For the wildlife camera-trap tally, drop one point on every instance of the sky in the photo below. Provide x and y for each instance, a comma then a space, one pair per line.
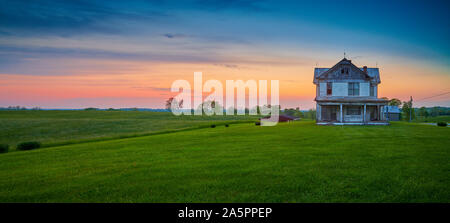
78, 54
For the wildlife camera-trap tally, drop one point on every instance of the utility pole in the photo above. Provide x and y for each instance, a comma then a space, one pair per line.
410, 109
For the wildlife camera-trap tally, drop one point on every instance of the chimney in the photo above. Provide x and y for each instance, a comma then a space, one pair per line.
365, 69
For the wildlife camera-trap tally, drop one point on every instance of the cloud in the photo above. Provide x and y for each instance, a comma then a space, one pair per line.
152, 88
69, 18
32, 60
172, 35
232, 66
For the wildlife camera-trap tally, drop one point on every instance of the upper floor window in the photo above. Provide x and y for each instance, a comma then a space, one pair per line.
329, 88
353, 89
372, 90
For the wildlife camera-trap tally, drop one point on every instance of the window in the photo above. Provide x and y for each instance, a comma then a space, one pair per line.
353, 89
344, 70
372, 90
353, 110
329, 88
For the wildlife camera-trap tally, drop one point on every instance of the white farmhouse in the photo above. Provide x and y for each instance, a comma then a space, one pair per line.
347, 95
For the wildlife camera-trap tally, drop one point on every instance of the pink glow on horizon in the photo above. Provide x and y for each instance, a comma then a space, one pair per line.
141, 84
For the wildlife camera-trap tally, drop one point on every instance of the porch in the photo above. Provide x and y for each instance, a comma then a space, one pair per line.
350, 114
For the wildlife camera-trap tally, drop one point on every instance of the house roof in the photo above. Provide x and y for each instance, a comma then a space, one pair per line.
373, 73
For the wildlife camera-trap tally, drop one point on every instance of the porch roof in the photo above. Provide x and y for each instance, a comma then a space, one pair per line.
352, 100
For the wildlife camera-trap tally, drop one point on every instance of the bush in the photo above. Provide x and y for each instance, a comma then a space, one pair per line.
257, 123
4, 148
442, 124
28, 145
213, 126
226, 125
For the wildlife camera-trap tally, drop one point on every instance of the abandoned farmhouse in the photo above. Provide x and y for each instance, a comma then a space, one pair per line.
348, 95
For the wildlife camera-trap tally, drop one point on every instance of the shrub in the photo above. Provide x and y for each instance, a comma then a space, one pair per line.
257, 123
213, 126
226, 125
442, 124
4, 148
28, 145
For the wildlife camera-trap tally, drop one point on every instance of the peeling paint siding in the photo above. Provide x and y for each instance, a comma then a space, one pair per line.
364, 89
340, 89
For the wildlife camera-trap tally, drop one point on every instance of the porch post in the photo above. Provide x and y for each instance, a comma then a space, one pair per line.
319, 112
340, 113
364, 118
378, 112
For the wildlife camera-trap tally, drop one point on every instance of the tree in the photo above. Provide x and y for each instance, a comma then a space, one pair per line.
406, 110
310, 114
169, 103
289, 111
435, 111
423, 112
395, 102
172, 101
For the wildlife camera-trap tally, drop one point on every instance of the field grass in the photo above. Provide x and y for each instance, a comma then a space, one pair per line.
292, 162
68, 127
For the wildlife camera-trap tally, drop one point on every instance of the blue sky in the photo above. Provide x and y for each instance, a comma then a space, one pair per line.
418, 29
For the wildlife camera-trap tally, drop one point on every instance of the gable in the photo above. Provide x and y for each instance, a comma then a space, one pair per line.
344, 70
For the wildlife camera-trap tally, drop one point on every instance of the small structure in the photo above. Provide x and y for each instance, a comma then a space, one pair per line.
392, 113
347, 95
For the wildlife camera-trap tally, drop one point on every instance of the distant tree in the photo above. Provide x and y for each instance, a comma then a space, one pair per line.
289, 111
423, 112
172, 101
406, 110
395, 102
211, 108
310, 114
435, 111
169, 103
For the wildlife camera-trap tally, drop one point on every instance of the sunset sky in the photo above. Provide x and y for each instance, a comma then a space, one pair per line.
77, 54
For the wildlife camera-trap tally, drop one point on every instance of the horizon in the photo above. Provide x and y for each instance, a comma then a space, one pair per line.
64, 55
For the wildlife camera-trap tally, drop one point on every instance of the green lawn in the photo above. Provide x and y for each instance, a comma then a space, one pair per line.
295, 162
63, 127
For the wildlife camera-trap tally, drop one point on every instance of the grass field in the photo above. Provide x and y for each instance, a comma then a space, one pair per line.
294, 162
67, 127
